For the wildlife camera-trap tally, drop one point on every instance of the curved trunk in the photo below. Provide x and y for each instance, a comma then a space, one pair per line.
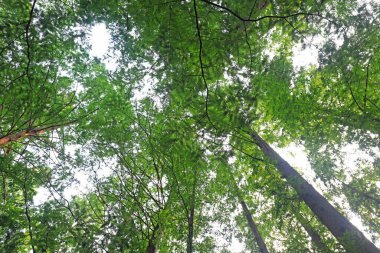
346, 233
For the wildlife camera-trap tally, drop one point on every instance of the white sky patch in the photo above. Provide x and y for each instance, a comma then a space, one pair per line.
42, 195
303, 57
78, 188
100, 41
236, 245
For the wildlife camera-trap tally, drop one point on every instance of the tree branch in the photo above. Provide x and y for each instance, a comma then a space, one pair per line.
201, 61
366, 85
233, 13
27, 30
30, 132
28, 216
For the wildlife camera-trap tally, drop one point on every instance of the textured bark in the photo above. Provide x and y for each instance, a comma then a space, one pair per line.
346, 233
259, 240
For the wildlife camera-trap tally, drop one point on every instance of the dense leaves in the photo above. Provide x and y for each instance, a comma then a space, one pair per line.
168, 139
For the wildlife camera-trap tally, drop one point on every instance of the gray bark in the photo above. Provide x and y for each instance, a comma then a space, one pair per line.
344, 231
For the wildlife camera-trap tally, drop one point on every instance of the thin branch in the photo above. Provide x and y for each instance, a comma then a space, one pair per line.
28, 216
233, 13
366, 85
252, 9
373, 104
250, 50
27, 30
201, 61
356, 102
247, 154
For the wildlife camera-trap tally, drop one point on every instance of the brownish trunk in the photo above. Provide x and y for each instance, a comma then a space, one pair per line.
259, 240
346, 233
30, 132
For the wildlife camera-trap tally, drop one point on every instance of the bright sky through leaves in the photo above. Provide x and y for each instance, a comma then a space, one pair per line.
189, 126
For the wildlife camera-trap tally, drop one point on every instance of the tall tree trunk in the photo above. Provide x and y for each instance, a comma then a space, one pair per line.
190, 216
259, 240
190, 235
252, 225
315, 237
346, 233
151, 244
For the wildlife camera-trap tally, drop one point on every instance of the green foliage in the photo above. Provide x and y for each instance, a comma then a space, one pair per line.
170, 168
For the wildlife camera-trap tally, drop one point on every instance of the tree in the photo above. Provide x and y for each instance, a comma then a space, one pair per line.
163, 164
351, 238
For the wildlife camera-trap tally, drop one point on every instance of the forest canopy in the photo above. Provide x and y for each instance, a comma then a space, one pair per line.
180, 140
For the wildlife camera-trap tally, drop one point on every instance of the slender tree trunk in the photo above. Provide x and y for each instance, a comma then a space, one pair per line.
346, 233
4, 186
315, 238
190, 235
28, 216
259, 240
190, 217
252, 225
151, 244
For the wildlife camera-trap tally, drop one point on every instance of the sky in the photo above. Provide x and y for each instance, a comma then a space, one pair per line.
294, 154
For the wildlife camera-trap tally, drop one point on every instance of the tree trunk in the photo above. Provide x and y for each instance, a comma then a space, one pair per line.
315, 238
346, 233
190, 216
151, 244
252, 225
190, 231
259, 240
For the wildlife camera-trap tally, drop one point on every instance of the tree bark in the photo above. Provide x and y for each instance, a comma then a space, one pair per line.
190, 235
22, 134
345, 232
151, 244
259, 240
